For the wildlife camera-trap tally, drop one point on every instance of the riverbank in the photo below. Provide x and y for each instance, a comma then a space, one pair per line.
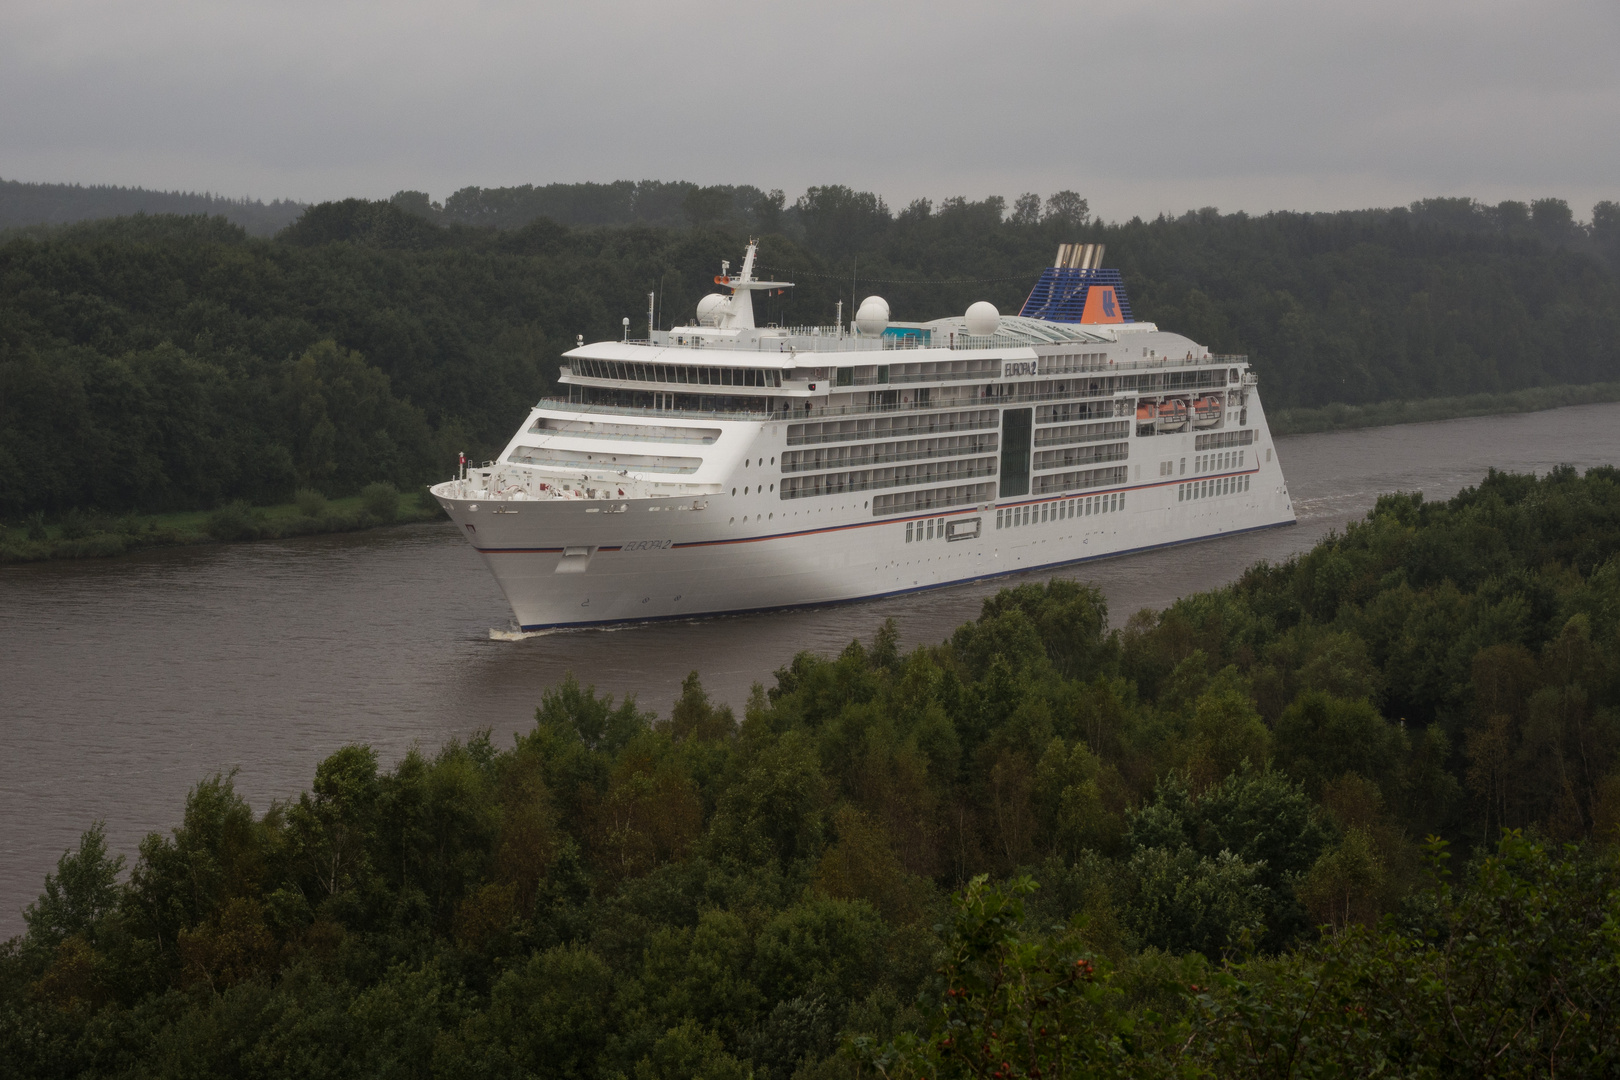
80, 535
1390, 413
87, 535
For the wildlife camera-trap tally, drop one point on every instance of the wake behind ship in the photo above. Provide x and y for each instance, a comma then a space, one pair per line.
725, 467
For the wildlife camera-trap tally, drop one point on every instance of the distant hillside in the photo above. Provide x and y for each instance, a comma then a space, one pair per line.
23, 204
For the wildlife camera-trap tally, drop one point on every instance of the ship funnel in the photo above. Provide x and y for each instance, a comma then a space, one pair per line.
1076, 289
1078, 257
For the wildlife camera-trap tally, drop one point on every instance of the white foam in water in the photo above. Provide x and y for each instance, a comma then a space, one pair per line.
517, 635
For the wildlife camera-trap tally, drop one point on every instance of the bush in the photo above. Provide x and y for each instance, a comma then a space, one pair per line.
76, 525
36, 525
380, 500
311, 503
233, 521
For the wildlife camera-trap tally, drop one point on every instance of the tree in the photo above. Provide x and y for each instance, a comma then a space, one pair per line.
1066, 210
78, 896
1012, 1004
1026, 209
555, 1013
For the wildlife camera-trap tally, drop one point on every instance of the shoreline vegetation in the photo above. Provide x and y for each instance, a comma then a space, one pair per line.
1341, 417
1354, 814
89, 535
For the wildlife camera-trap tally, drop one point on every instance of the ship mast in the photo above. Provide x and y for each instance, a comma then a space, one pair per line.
741, 313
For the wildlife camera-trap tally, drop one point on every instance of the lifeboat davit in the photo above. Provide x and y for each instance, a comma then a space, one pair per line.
1172, 414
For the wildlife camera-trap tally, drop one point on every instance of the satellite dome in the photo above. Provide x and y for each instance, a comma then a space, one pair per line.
711, 308
873, 317
983, 319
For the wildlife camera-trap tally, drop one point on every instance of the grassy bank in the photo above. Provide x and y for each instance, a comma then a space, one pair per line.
1386, 413
87, 535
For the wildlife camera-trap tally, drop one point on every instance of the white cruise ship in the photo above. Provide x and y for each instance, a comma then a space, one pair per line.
728, 467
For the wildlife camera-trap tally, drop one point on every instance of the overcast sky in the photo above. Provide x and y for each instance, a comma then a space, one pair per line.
1141, 106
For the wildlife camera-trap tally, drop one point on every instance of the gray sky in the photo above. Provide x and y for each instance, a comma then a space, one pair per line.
1141, 106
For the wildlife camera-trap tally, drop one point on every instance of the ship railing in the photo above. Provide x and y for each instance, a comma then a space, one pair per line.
815, 412
889, 459
828, 339
1089, 368
563, 404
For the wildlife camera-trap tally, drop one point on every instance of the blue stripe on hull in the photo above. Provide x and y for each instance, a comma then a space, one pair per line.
903, 592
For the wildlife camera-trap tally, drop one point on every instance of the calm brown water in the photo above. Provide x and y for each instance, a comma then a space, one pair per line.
124, 681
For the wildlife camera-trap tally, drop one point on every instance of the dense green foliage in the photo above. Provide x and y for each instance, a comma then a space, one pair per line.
158, 363
1386, 413
81, 535
1225, 805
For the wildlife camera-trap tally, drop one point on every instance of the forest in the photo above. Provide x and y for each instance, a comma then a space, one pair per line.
163, 363
24, 204
1353, 814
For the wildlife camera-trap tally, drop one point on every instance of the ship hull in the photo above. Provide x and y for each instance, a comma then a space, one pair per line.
567, 565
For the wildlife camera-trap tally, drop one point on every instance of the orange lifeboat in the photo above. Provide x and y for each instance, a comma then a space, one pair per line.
1207, 411
1172, 414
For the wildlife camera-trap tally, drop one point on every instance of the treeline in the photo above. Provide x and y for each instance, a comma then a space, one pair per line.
664, 204
156, 363
1266, 823
25, 204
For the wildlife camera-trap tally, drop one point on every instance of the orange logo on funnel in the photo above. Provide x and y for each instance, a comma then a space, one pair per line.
1102, 306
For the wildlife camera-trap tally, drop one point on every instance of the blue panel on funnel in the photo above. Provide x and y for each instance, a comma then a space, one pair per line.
1060, 295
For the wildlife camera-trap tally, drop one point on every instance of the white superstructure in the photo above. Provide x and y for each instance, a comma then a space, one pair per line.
724, 467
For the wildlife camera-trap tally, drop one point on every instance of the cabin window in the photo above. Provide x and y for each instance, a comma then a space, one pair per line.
908, 532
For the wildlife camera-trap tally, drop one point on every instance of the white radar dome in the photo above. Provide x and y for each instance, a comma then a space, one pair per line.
873, 317
983, 319
711, 308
